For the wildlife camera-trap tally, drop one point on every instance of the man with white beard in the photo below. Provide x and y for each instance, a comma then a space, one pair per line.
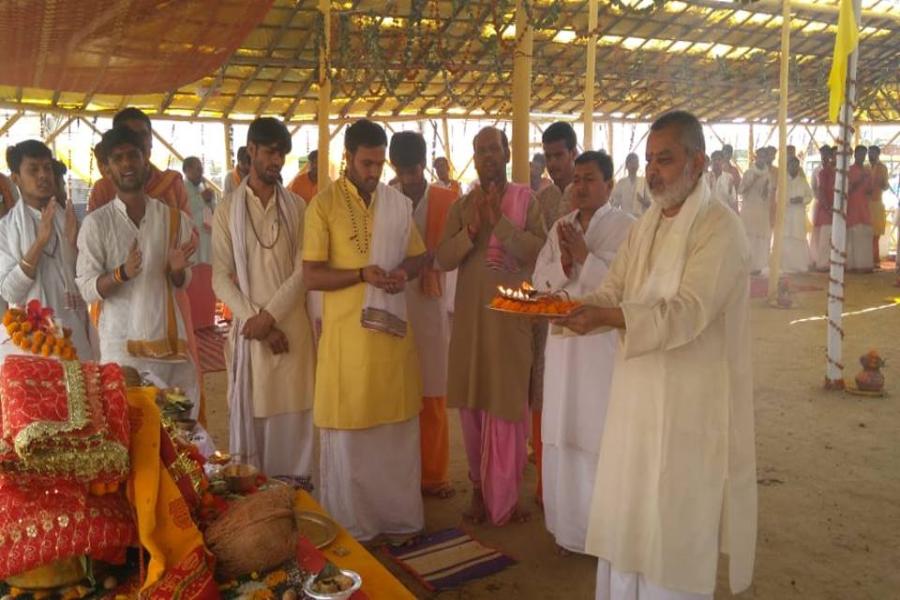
676, 476
576, 257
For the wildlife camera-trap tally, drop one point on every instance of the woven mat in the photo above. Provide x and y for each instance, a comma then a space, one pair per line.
211, 348
449, 559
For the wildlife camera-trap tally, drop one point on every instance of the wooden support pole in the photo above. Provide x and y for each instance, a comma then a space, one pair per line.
445, 126
834, 368
178, 156
590, 73
229, 147
521, 95
751, 151
11, 121
609, 137
324, 108
53, 134
781, 198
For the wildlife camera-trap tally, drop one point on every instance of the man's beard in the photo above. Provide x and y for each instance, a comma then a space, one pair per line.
675, 194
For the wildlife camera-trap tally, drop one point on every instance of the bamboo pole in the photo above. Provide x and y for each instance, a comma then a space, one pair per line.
609, 137
834, 374
590, 73
445, 126
781, 198
180, 157
521, 95
324, 107
53, 134
11, 121
229, 148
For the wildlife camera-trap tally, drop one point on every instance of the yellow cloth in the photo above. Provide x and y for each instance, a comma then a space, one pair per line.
845, 42
363, 378
165, 527
876, 204
378, 582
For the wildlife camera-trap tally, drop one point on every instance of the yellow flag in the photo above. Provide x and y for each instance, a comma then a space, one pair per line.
844, 43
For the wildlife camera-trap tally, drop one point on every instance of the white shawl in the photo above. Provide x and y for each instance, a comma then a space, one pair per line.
242, 434
664, 278
390, 236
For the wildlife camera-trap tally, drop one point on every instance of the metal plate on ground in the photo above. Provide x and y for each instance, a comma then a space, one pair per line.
319, 529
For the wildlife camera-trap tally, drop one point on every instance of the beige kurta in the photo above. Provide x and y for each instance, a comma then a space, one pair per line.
554, 203
280, 383
676, 478
490, 352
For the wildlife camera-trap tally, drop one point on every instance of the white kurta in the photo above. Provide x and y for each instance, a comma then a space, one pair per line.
201, 216
54, 285
676, 477
756, 188
723, 189
795, 247
626, 195
430, 323
576, 380
139, 309
281, 385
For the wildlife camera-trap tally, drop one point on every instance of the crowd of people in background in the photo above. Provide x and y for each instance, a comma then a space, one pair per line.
359, 316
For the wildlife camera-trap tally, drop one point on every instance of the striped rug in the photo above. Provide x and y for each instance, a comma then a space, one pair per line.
448, 559
211, 347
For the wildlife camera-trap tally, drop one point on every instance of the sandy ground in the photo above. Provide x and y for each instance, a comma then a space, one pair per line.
828, 468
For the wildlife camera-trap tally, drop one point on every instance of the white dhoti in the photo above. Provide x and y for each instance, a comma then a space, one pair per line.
371, 479
859, 248
615, 585
823, 247
286, 444
568, 474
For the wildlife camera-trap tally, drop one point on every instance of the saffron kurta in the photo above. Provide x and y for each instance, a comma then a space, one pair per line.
879, 181
281, 383
363, 378
676, 478
576, 380
303, 186
859, 221
490, 352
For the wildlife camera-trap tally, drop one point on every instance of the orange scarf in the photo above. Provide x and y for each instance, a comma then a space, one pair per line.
431, 279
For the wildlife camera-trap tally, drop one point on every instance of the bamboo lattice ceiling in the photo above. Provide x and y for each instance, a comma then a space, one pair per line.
718, 58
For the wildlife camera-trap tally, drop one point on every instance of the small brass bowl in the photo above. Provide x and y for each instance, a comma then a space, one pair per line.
240, 478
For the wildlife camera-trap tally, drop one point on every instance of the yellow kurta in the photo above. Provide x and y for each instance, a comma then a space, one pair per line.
364, 378
280, 383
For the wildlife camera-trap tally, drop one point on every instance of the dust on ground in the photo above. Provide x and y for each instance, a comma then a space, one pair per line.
828, 465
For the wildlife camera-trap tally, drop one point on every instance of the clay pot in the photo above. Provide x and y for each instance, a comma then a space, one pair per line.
870, 379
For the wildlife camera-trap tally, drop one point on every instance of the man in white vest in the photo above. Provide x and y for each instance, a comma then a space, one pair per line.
676, 477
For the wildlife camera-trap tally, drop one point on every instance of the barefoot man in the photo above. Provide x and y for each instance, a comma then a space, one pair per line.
493, 236
676, 477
